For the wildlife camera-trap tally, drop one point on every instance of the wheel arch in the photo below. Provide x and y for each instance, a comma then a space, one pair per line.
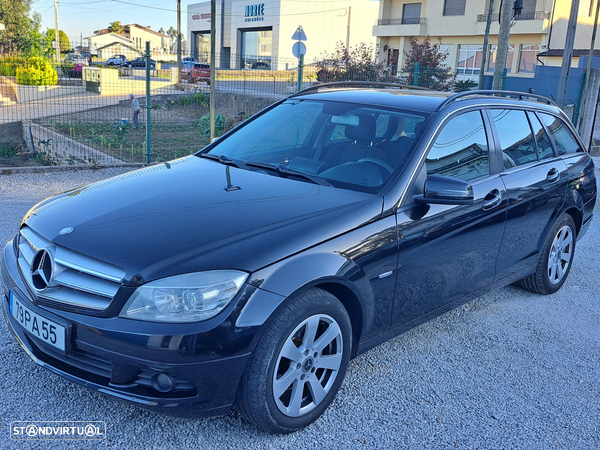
577, 218
349, 299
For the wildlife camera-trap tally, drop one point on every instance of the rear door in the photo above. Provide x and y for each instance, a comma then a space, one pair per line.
536, 183
447, 252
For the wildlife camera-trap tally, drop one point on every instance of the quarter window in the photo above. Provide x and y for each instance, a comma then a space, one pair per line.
461, 149
516, 138
543, 141
563, 139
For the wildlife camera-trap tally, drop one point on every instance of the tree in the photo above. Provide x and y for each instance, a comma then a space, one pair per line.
433, 73
65, 44
351, 64
116, 27
162, 30
14, 14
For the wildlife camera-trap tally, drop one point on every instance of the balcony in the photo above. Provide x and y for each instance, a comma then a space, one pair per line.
537, 22
415, 26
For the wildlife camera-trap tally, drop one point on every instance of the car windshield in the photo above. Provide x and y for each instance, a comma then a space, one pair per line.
347, 145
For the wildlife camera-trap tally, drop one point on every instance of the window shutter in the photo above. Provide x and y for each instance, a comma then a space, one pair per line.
454, 7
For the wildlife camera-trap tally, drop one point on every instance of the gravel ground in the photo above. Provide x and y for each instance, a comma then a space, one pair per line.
508, 370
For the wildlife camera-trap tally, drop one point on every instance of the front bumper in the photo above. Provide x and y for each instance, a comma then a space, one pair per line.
123, 358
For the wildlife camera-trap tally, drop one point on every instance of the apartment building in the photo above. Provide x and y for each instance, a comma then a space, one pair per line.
537, 36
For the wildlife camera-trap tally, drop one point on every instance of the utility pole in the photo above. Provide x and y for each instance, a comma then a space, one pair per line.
486, 43
589, 66
213, 68
565, 71
506, 13
56, 33
179, 41
348, 28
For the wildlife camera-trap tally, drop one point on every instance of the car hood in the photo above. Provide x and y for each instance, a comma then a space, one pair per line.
189, 215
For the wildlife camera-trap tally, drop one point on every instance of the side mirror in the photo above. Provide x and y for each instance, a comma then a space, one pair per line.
443, 190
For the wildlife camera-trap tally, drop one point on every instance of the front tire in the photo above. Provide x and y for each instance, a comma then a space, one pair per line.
298, 365
555, 260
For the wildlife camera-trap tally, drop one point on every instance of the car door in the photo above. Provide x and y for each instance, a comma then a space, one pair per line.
449, 251
536, 184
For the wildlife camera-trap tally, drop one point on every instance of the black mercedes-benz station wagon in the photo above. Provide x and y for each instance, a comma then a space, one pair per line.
251, 272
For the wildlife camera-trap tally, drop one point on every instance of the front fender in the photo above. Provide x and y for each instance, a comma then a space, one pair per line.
354, 261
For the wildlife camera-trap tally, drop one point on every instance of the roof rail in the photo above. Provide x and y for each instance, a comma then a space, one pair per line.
519, 95
341, 84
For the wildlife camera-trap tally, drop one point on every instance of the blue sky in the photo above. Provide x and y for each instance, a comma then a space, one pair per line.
84, 16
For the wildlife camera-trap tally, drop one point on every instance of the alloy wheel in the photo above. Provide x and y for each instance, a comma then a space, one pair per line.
561, 254
307, 365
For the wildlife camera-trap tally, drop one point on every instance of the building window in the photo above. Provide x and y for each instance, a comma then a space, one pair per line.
411, 13
449, 51
454, 7
528, 57
509, 58
469, 59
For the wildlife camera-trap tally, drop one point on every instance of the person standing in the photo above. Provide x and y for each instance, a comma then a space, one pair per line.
135, 104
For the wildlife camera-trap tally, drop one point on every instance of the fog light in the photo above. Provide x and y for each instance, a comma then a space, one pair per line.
163, 382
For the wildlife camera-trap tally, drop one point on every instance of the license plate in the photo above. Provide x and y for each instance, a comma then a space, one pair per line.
46, 330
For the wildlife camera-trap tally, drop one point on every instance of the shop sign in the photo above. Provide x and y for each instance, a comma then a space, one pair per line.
255, 13
201, 17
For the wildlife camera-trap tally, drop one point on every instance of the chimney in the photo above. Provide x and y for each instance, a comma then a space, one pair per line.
148, 27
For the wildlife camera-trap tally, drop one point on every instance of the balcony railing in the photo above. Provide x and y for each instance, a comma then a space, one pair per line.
403, 21
537, 15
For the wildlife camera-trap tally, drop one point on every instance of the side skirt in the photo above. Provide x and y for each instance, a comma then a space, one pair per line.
375, 341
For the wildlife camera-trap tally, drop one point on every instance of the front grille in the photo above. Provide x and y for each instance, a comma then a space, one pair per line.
78, 281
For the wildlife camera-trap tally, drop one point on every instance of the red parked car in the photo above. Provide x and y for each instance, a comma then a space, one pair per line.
194, 72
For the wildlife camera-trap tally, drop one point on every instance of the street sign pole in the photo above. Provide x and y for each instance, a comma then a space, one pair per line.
299, 49
300, 71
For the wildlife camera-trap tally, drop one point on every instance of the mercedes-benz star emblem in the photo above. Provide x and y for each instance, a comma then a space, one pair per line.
66, 230
42, 269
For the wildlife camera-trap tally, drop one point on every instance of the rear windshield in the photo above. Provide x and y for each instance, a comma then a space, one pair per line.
350, 146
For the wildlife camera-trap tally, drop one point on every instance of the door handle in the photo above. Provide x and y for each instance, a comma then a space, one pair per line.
492, 200
553, 175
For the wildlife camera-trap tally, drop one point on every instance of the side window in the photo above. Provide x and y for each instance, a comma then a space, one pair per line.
543, 141
564, 141
516, 138
461, 149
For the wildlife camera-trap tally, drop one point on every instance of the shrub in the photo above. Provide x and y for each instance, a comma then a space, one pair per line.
9, 64
351, 64
37, 72
464, 85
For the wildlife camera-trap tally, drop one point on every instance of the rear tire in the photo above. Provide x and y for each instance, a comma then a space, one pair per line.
555, 259
298, 365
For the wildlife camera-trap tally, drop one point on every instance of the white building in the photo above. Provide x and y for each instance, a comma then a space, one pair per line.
131, 43
248, 32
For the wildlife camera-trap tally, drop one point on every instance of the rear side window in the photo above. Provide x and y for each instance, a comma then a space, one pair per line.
561, 135
461, 149
516, 139
544, 146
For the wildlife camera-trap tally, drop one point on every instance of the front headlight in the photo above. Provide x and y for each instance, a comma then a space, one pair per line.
184, 298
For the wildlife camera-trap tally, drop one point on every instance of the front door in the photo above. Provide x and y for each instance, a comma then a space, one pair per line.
447, 252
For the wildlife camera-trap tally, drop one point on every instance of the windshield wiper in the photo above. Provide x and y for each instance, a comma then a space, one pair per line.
279, 168
283, 169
